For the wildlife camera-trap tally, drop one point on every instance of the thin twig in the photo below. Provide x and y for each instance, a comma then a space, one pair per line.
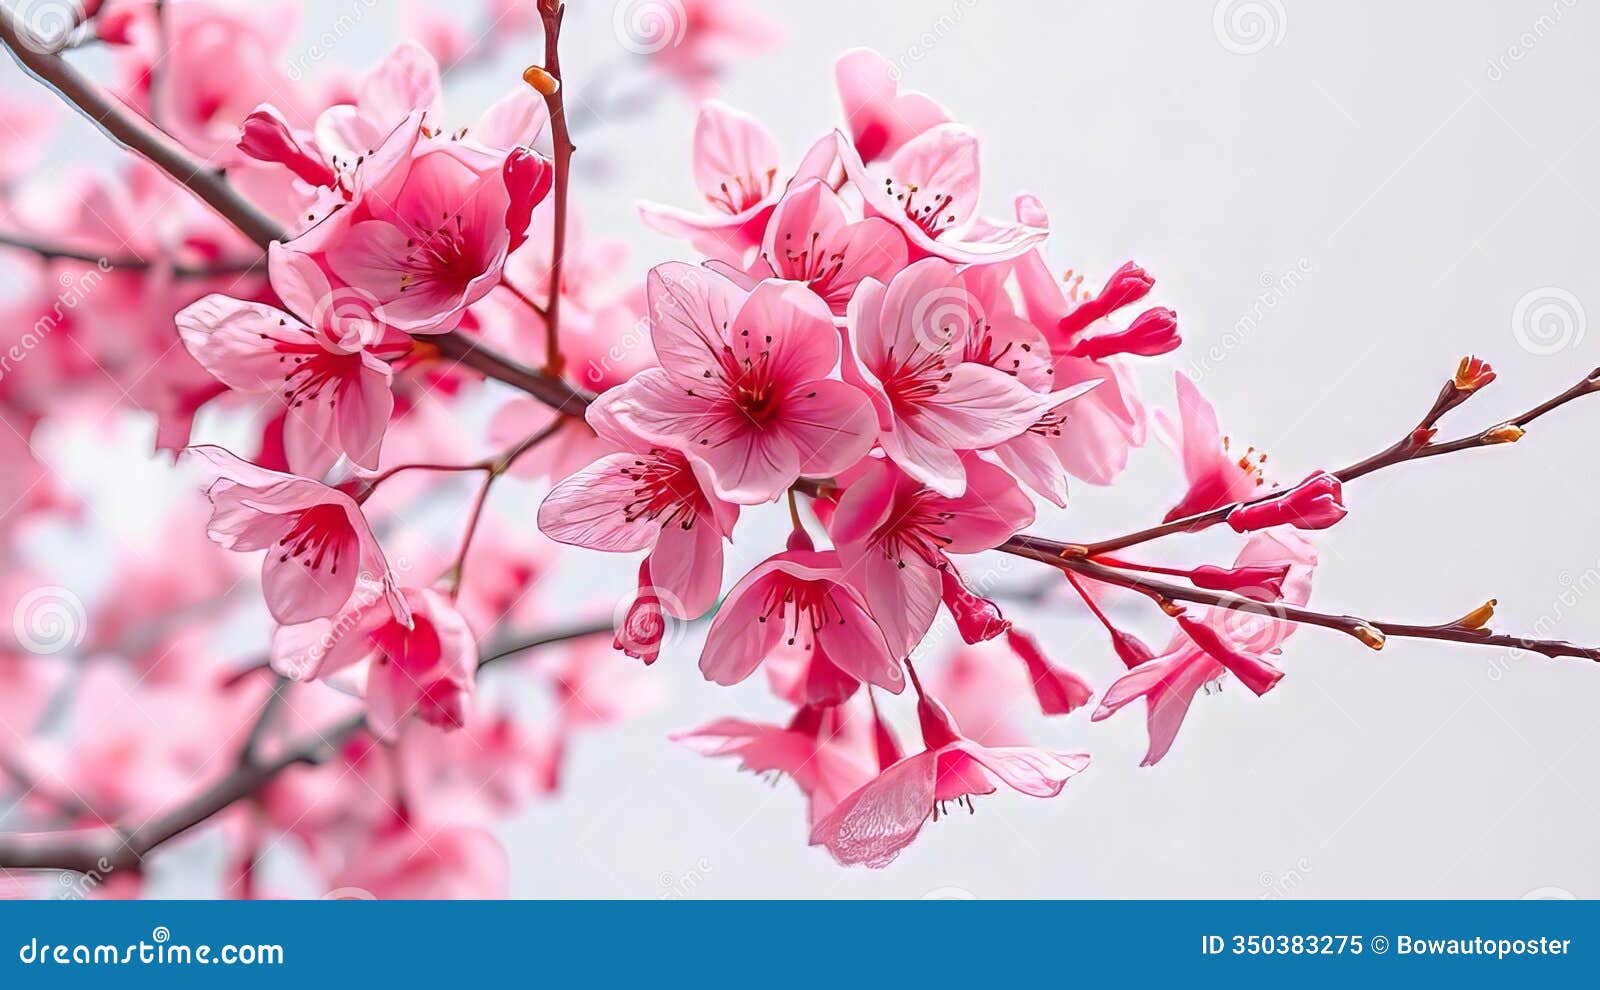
552, 13
124, 262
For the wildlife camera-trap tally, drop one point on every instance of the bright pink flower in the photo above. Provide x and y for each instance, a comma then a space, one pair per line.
1216, 475
893, 533
871, 826
910, 347
801, 600
1058, 689
810, 239
327, 357
316, 538
821, 749
1153, 332
879, 116
429, 227
978, 619
1315, 503
1245, 638
929, 189
1126, 286
743, 387
425, 666
646, 497
736, 169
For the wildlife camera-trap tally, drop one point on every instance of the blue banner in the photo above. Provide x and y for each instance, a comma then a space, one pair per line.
811, 944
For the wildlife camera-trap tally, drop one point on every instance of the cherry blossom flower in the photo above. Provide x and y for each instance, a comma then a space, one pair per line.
893, 533
1217, 476
929, 189
879, 117
1246, 639
743, 387
910, 347
872, 825
801, 600
317, 541
326, 355
646, 497
402, 862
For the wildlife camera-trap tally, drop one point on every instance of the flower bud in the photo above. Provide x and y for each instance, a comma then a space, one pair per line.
977, 619
1127, 285
542, 82
267, 137
1315, 503
1262, 583
1472, 374
1504, 433
644, 625
1153, 332
528, 177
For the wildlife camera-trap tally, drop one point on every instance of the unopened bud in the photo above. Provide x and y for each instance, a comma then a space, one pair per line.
1478, 617
1372, 636
542, 82
1504, 433
1472, 374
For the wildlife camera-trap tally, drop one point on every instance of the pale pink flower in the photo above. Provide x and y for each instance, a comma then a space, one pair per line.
893, 533
823, 749
743, 386
800, 600
447, 862
736, 169
910, 348
646, 497
929, 189
317, 540
880, 117
1217, 475
871, 826
326, 355
1246, 639
692, 41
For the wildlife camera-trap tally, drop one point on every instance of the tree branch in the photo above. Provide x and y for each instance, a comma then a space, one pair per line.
128, 262
552, 13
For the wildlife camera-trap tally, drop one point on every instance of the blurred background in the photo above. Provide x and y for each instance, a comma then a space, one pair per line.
1339, 201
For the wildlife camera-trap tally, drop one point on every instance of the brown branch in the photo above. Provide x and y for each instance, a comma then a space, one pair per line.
123, 262
102, 850
552, 13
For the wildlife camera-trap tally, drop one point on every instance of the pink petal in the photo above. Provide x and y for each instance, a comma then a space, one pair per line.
831, 425
589, 509
229, 337
1036, 772
686, 566
883, 816
730, 145
741, 635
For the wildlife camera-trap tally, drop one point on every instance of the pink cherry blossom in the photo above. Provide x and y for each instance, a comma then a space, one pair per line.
910, 347
691, 41
801, 600
810, 239
893, 533
1217, 475
743, 387
327, 355
879, 117
929, 189
1246, 639
403, 862
317, 541
872, 825
646, 497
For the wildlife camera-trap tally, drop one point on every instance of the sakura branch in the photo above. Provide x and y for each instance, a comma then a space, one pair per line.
850, 333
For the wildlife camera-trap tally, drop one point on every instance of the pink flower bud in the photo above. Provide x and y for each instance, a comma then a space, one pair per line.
1153, 332
1261, 583
1315, 503
528, 177
644, 625
977, 619
267, 137
1127, 285
1059, 690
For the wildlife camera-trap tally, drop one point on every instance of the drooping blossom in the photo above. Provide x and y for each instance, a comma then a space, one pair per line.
325, 354
736, 170
317, 540
800, 601
878, 116
929, 189
872, 825
1315, 503
743, 386
893, 534
1248, 638
910, 347
423, 666
1217, 475
646, 497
